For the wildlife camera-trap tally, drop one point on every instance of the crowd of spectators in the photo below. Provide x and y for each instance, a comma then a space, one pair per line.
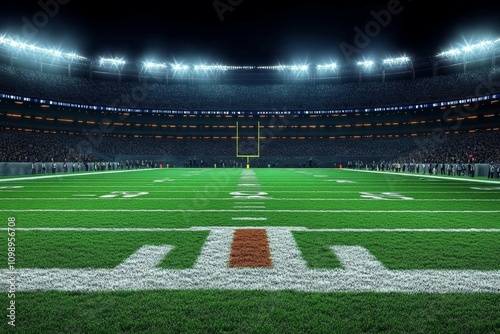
481, 147
28, 146
210, 96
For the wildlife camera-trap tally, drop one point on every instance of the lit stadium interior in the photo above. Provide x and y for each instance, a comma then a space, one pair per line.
352, 195
186, 115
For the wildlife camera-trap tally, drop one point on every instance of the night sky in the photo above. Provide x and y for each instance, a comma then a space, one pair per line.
249, 32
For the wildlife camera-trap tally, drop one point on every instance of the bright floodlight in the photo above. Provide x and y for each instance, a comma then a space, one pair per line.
180, 67
273, 67
285, 67
396, 61
208, 67
221, 67
299, 67
116, 62
233, 67
483, 46
450, 53
366, 63
31, 48
154, 66
331, 66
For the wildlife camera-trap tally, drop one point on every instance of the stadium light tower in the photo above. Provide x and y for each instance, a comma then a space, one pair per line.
20, 49
214, 70
329, 67
181, 70
397, 62
153, 68
472, 51
365, 65
113, 63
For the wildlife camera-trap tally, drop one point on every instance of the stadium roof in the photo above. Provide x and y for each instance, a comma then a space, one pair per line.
238, 32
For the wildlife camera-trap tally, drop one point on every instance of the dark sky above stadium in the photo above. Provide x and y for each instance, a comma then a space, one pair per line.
250, 32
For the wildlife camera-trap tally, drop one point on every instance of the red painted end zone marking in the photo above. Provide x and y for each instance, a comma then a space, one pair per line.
250, 248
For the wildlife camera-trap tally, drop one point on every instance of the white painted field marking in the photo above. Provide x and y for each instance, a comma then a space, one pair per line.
244, 202
11, 187
76, 195
385, 196
249, 195
341, 181
245, 199
287, 228
164, 180
465, 179
146, 257
485, 189
257, 210
320, 175
124, 194
357, 258
215, 252
29, 178
285, 253
360, 272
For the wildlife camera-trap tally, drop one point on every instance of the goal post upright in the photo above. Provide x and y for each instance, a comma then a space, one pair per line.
247, 156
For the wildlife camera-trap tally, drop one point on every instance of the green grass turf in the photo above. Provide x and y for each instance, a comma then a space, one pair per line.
311, 198
405, 251
69, 249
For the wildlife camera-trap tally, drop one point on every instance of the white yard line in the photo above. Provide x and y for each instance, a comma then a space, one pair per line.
59, 175
360, 272
281, 228
253, 210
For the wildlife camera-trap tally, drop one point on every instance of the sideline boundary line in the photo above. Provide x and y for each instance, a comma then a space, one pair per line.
422, 175
38, 177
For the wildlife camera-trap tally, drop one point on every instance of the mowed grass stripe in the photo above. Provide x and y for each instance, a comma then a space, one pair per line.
204, 204
200, 312
311, 220
299, 199
272, 194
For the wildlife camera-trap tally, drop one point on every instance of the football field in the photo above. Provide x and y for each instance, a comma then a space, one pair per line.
249, 251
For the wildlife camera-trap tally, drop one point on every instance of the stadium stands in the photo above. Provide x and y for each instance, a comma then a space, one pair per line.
32, 133
25, 82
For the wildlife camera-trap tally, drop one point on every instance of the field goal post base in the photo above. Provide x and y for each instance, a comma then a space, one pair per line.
248, 156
